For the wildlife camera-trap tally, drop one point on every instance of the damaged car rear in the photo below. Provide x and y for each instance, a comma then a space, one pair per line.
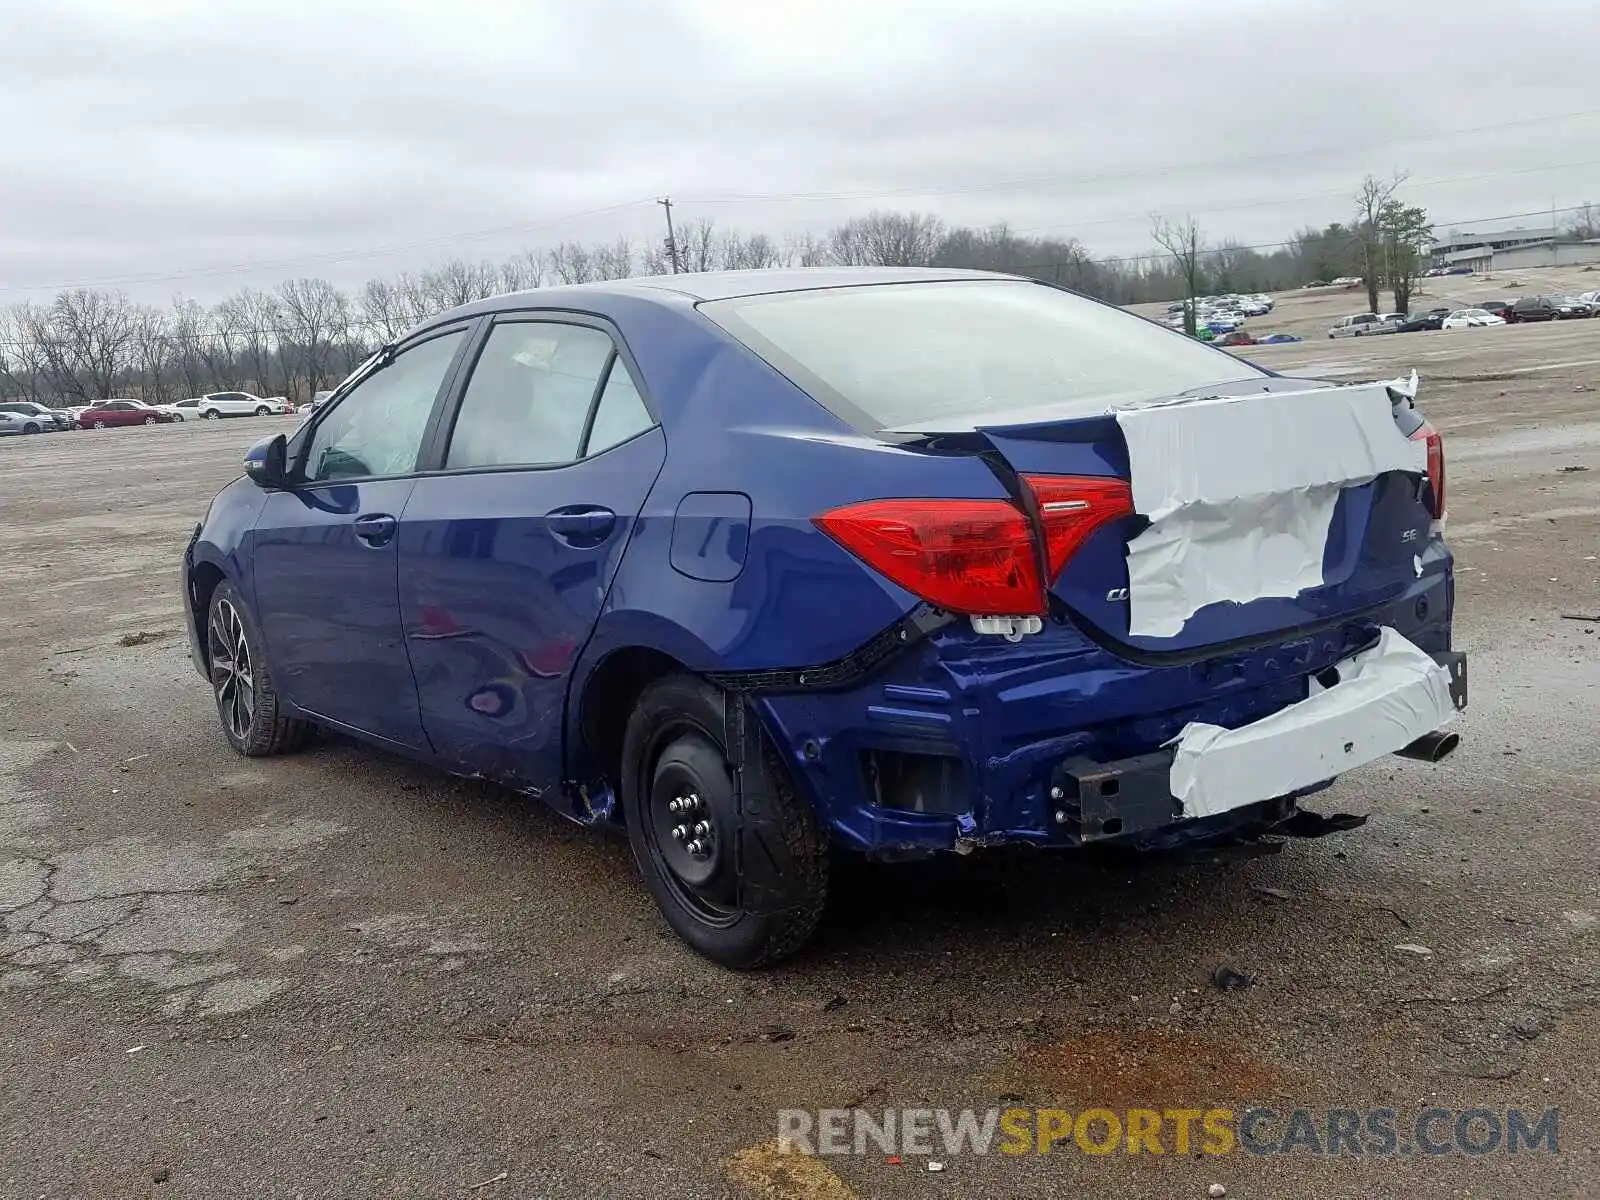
905, 561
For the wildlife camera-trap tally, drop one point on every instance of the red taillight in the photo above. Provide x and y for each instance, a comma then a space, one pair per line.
1428, 433
1072, 507
965, 556
979, 557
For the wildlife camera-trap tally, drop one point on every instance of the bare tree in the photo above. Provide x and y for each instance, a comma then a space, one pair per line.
570, 262
316, 318
697, 245
22, 366
887, 239
87, 341
155, 357
614, 261
382, 310
807, 250
757, 252
456, 282
1584, 224
1370, 198
1182, 241
524, 271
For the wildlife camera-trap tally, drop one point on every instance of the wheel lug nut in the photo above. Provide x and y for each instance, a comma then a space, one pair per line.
680, 832
702, 828
695, 847
675, 805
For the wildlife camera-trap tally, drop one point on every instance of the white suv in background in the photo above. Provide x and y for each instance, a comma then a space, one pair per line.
234, 404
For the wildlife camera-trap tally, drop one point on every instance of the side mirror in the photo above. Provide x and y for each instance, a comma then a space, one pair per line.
267, 462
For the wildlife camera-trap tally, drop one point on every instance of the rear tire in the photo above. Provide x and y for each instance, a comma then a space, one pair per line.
213, 415
241, 682
695, 862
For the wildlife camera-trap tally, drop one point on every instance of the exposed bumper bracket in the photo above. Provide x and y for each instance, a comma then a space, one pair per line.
1455, 662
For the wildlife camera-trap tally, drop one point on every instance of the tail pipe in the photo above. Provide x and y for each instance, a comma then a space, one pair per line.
1431, 747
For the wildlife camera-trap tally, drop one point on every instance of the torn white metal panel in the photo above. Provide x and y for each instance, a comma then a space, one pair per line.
1387, 696
1240, 492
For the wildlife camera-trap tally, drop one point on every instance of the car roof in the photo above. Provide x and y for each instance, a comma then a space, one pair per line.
694, 287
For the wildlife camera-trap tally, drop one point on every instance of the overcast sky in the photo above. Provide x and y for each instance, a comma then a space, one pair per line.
193, 146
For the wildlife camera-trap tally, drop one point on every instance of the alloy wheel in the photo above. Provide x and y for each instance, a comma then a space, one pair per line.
232, 671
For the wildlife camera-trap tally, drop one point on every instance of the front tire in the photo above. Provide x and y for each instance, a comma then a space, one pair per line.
151, 421
744, 889
263, 411
31, 428
241, 682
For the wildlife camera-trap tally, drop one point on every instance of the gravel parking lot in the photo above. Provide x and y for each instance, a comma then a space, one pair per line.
337, 974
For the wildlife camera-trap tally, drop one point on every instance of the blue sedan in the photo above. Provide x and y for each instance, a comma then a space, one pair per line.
763, 564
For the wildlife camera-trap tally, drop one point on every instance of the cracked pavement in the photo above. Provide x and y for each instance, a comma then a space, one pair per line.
340, 974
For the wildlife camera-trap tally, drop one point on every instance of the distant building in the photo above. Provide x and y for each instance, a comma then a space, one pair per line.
1548, 251
1454, 249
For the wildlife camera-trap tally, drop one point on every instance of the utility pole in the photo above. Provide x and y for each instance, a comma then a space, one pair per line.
672, 240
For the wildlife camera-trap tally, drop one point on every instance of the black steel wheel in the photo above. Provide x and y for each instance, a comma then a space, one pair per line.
247, 703
742, 879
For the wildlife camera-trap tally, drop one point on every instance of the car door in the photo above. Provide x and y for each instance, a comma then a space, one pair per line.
507, 551
323, 548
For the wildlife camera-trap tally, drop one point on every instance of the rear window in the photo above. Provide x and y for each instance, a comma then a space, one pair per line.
887, 356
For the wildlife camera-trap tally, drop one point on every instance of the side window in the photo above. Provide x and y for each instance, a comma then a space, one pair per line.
529, 396
377, 428
621, 414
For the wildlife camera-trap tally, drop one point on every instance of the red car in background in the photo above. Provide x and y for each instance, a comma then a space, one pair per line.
121, 412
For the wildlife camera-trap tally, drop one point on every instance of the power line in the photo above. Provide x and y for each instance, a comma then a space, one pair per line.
347, 255
1136, 173
356, 327
326, 257
1277, 201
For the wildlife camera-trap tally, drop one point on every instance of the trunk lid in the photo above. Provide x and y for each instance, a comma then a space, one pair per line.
1374, 548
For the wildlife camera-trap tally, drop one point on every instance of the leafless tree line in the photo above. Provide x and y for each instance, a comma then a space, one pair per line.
307, 334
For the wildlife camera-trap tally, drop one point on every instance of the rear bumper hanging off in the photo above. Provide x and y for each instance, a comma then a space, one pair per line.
1127, 798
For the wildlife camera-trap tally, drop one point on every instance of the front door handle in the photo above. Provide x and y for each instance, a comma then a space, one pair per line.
587, 524
375, 529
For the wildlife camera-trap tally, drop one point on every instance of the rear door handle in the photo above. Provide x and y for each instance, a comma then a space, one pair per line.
375, 529
589, 523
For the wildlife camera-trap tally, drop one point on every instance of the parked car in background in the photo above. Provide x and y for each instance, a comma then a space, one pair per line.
1494, 306
1237, 338
215, 405
1362, 325
1458, 271
318, 399
1470, 318
738, 561
1433, 318
36, 418
1530, 309
1574, 308
111, 413
182, 410
11, 424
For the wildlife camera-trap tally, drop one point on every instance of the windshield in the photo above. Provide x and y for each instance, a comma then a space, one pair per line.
888, 356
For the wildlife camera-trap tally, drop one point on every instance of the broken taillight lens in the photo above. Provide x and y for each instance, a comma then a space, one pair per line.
1426, 432
964, 556
1074, 506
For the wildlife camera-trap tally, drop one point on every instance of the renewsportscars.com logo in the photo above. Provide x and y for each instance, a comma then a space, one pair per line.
1373, 1132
